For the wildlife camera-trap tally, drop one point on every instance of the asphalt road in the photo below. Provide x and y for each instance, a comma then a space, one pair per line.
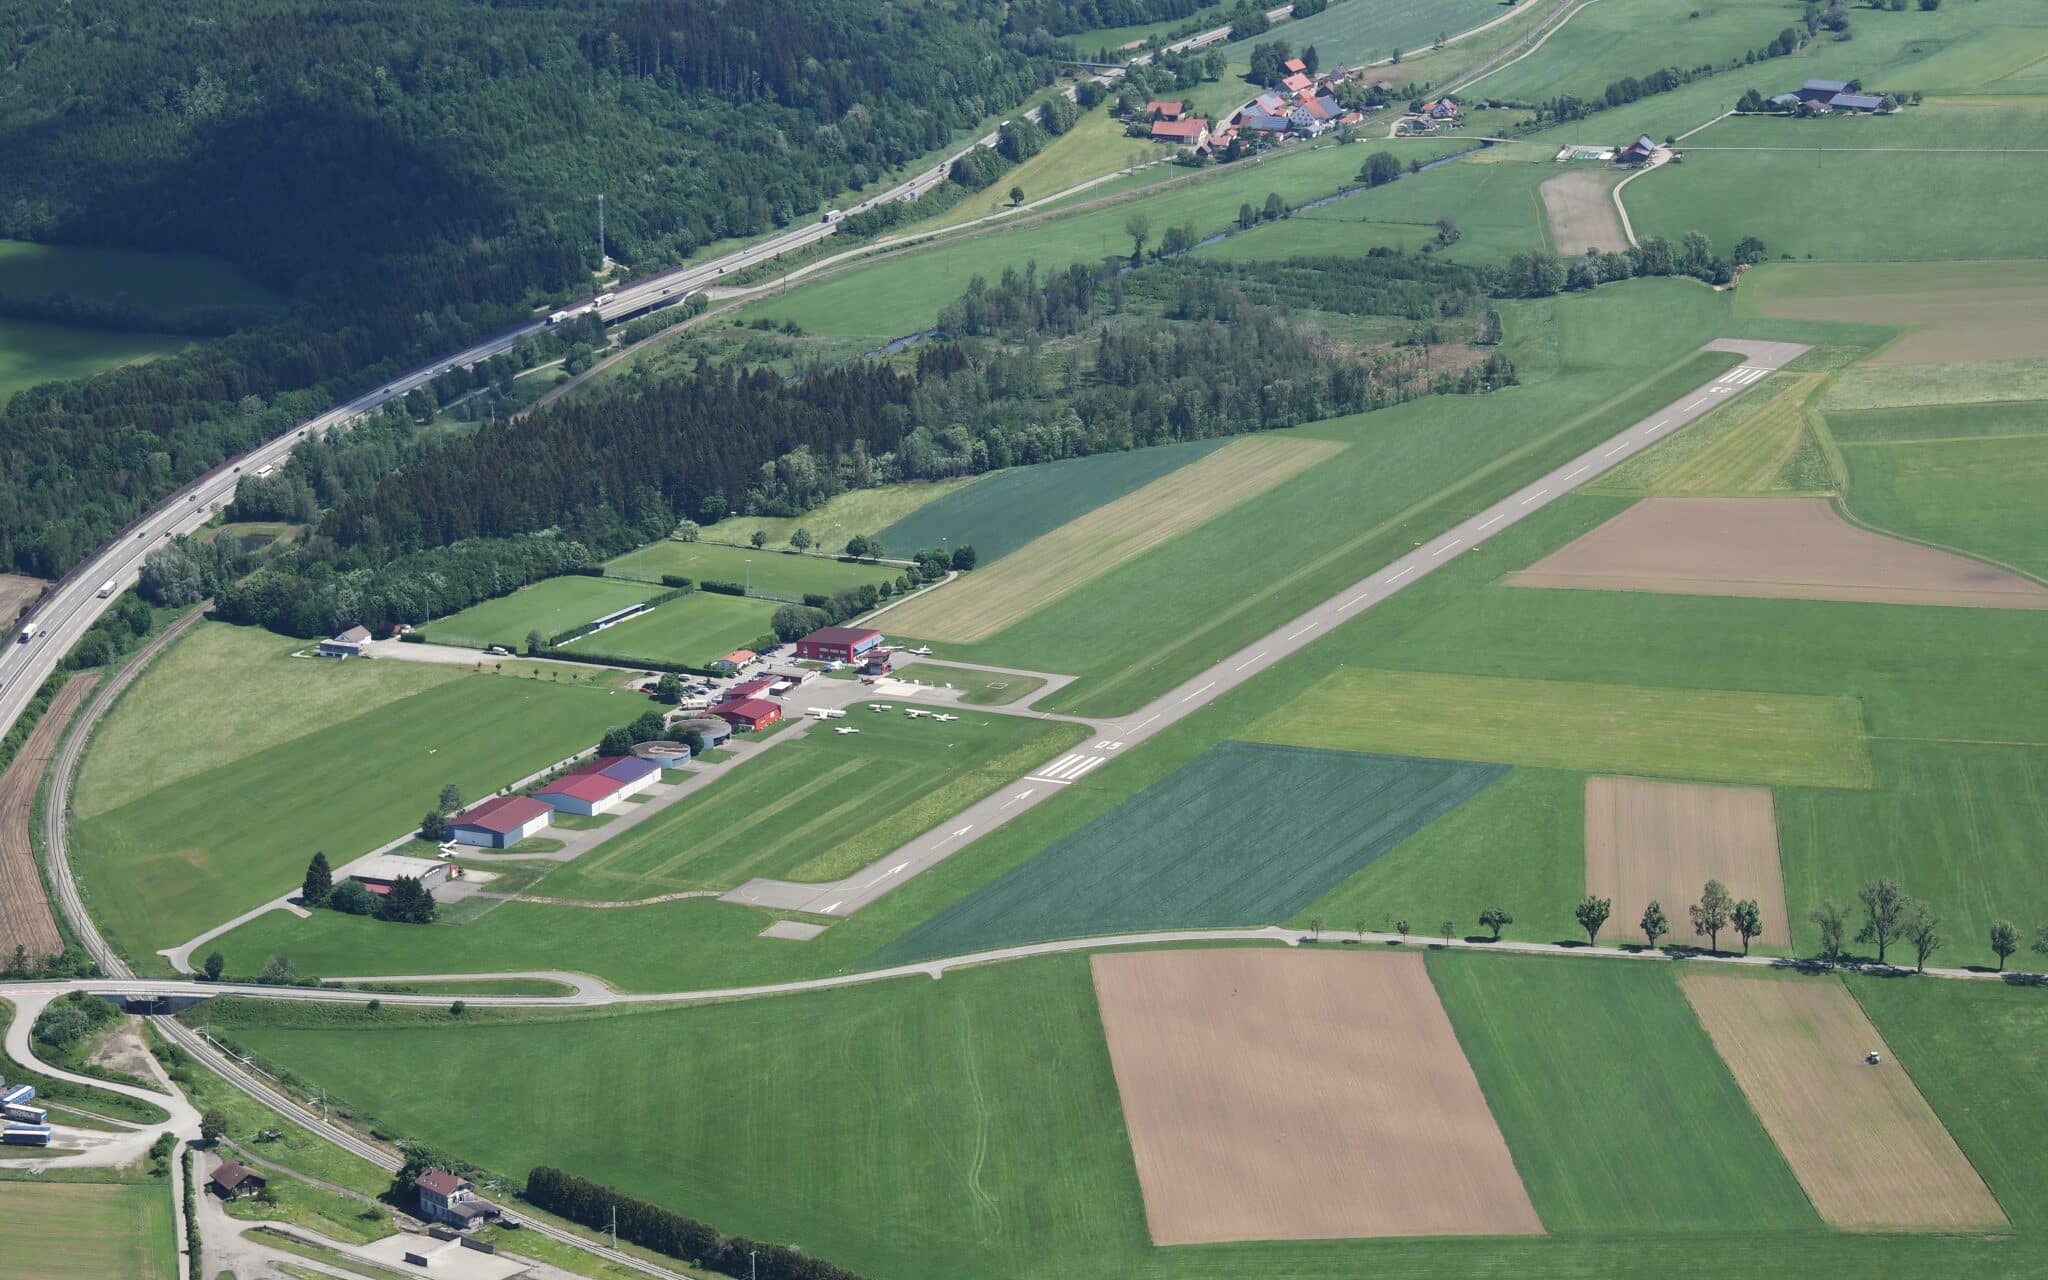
844, 897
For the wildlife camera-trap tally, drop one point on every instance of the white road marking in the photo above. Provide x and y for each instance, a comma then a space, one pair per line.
1304, 631
1249, 661
898, 867
1404, 573
1616, 449
829, 910
1494, 519
1532, 497
1020, 797
1199, 692
1142, 723
1694, 405
1576, 474
1452, 545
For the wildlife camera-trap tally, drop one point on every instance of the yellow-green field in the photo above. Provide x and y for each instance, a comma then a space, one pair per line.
86, 1231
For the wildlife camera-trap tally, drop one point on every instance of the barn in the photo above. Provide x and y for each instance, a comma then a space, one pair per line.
600, 786
500, 822
749, 714
837, 644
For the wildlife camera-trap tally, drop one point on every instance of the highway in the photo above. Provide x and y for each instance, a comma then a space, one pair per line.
61, 618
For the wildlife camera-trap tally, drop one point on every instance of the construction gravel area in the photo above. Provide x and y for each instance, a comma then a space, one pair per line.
1580, 206
1869, 1151
1782, 548
1662, 841
1301, 1095
25, 919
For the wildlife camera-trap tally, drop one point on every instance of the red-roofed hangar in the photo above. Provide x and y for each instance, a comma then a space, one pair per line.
838, 644
748, 714
500, 822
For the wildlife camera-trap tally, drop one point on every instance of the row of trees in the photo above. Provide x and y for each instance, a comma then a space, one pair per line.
407, 902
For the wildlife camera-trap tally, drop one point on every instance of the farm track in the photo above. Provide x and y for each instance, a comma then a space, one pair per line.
25, 918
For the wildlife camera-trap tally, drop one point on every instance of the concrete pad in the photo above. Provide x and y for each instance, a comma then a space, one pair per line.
444, 1258
794, 930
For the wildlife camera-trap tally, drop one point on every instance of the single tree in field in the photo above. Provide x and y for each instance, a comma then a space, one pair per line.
278, 971
319, 881
1653, 924
1884, 910
1496, 919
536, 644
1358, 927
1315, 928
801, 539
759, 540
1592, 913
1273, 207
213, 1125
451, 798
1710, 913
1401, 927
2004, 941
1139, 228
1450, 929
857, 546
1921, 928
1831, 918
1381, 167
1247, 216
215, 963
2041, 940
1749, 921
1016, 195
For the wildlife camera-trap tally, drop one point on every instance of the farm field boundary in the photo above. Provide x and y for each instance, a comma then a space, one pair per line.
1746, 449
1955, 311
1662, 841
25, 919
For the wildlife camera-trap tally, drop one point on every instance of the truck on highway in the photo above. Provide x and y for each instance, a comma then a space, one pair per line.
603, 298
106, 592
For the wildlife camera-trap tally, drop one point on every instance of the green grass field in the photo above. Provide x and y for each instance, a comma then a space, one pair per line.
1965, 477
1096, 145
1604, 42
88, 1230
865, 511
1600, 728
694, 630
768, 573
1976, 1054
173, 723
171, 863
1003, 510
978, 688
1362, 31
1973, 382
550, 607
969, 1126
1618, 1111
1247, 835
1519, 844
32, 353
816, 808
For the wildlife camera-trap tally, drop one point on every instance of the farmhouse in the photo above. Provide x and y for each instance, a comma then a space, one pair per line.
838, 644
1297, 83
735, 660
1165, 110
1294, 66
450, 1200
749, 714
380, 871
600, 786
500, 822
1193, 132
1637, 152
234, 1181
349, 644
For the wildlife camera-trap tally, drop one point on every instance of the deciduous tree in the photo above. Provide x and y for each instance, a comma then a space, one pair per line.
1496, 919
2004, 941
1653, 924
1710, 913
1921, 927
1592, 912
1884, 911
215, 964
1748, 919
1831, 919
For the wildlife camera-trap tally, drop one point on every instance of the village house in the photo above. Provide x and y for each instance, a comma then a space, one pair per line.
1193, 132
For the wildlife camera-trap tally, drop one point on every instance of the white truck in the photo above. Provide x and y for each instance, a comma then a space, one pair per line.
107, 592
603, 298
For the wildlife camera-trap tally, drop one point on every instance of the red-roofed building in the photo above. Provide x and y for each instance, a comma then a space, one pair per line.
1298, 83
847, 644
748, 715
748, 689
1165, 110
1295, 65
1192, 132
500, 822
600, 786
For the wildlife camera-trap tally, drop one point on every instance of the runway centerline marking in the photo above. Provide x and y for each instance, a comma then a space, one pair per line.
1404, 573
1452, 545
1494, 519
1249, 661
1199, 692
1532, 497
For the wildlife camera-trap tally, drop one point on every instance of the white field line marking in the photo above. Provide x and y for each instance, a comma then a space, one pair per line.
1249, 661
1304, 631
1494, 519
1694, 405
1532, 497
1199, 692
1404, 573
1452, 545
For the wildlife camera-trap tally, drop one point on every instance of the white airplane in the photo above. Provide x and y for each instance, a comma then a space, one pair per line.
881, 706
844, 729
914, 713
945, 719
922, 651
831, 713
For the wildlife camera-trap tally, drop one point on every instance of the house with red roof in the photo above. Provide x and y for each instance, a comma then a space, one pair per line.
499, 822
1298, 84
1295, 66
600, 786
1165, 110
1193, 132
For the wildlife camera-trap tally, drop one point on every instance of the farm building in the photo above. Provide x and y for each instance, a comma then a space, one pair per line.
713, 730
1637, 152
500, 822
735, 660
600, 786
1193, 132
838, 644
234, 1181
349, 644
748, 715
1820, 90
1855, 102
451, 1200
667, 754
748, 689
1165, 110
380, 871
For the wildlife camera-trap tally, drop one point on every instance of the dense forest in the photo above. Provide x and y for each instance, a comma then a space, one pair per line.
414, 174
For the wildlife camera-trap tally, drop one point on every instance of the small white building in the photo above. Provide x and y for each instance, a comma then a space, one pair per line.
379, 872
349, 644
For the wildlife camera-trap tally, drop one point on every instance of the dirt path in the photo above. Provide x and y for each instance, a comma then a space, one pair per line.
25, 919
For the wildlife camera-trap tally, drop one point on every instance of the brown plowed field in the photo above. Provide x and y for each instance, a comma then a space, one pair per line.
1664, 840
1283, 1095
1785, 548
1870, 1152
1580, 205
24, 912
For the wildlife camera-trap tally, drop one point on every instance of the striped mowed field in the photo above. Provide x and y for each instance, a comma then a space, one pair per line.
982, 603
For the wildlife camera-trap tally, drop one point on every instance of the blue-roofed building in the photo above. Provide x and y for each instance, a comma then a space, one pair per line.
1821, 90
1855, 102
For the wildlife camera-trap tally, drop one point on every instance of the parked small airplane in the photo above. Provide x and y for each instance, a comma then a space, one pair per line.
923, 651
945, 719
844, 729
881, 706
914, 713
